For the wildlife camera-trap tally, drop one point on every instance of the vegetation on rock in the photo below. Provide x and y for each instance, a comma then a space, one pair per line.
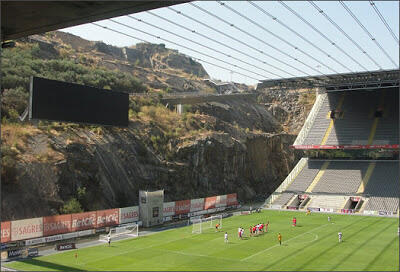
210, 149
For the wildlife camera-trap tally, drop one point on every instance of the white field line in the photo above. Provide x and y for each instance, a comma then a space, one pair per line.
132, 250
215, 257
197, 255
191, 254
137, 249
255, 254
3, 268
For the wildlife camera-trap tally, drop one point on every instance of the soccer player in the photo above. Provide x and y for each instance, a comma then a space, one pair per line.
329, 219
109, 239
280, 239
240, 233
266, 226
308, 212
251, 231
340, 236
294, 221
226, 237
216, 227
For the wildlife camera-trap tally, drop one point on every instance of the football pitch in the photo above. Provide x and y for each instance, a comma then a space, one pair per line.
369, 243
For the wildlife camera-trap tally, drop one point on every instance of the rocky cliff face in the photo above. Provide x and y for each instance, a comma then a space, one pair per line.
289, 107
113, 167
155, 65
240, 151
215, 148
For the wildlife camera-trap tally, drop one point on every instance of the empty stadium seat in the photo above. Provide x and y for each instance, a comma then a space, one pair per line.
357, 121
342, 177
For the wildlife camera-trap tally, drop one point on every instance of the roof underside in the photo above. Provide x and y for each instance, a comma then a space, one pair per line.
24, 18
338, 82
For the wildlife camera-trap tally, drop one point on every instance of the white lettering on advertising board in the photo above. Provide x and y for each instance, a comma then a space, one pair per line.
106, 219
83, 221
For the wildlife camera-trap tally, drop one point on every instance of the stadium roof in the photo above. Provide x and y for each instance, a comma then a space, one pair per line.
24, 18
338, 82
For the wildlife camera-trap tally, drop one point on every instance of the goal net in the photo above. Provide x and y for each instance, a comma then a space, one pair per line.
128, 230
201, 224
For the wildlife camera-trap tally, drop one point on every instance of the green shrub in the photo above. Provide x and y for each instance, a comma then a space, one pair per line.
71, 206
8, 165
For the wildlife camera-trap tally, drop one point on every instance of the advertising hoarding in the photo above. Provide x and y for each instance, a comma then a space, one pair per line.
83, 221
107, 218
209, 202
221, 201
5, 232
26, 229
231, 199
182, 207
35, 241
169, 208
57, 224
128, 214
196, 204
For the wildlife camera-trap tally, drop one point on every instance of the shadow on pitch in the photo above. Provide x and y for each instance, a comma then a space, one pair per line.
50, 266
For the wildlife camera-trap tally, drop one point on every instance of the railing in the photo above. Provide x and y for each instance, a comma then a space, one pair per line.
310, 119
288, 180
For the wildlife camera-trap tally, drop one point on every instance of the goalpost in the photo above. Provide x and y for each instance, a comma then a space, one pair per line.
129, 230
201, 224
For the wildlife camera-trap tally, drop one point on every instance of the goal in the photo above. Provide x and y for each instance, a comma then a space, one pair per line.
201, 224
128, 230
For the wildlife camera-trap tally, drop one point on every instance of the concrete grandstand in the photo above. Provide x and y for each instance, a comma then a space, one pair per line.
345, 118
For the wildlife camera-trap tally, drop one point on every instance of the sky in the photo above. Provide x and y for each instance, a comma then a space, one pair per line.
263, 48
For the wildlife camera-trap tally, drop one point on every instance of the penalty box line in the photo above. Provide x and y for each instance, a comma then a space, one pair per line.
255, 254
132, 250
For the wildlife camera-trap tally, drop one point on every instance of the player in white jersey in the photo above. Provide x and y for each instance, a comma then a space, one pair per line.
340, 236
108, 239
226, 237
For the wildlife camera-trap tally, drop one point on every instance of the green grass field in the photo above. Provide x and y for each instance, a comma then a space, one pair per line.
369, 243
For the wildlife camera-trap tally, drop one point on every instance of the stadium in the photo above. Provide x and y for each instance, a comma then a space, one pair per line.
336, 210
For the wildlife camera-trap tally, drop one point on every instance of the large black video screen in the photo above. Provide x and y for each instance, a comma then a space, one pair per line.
69, 102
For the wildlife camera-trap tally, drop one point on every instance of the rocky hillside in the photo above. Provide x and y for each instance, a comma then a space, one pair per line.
161, 69
289, 107
212, 148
